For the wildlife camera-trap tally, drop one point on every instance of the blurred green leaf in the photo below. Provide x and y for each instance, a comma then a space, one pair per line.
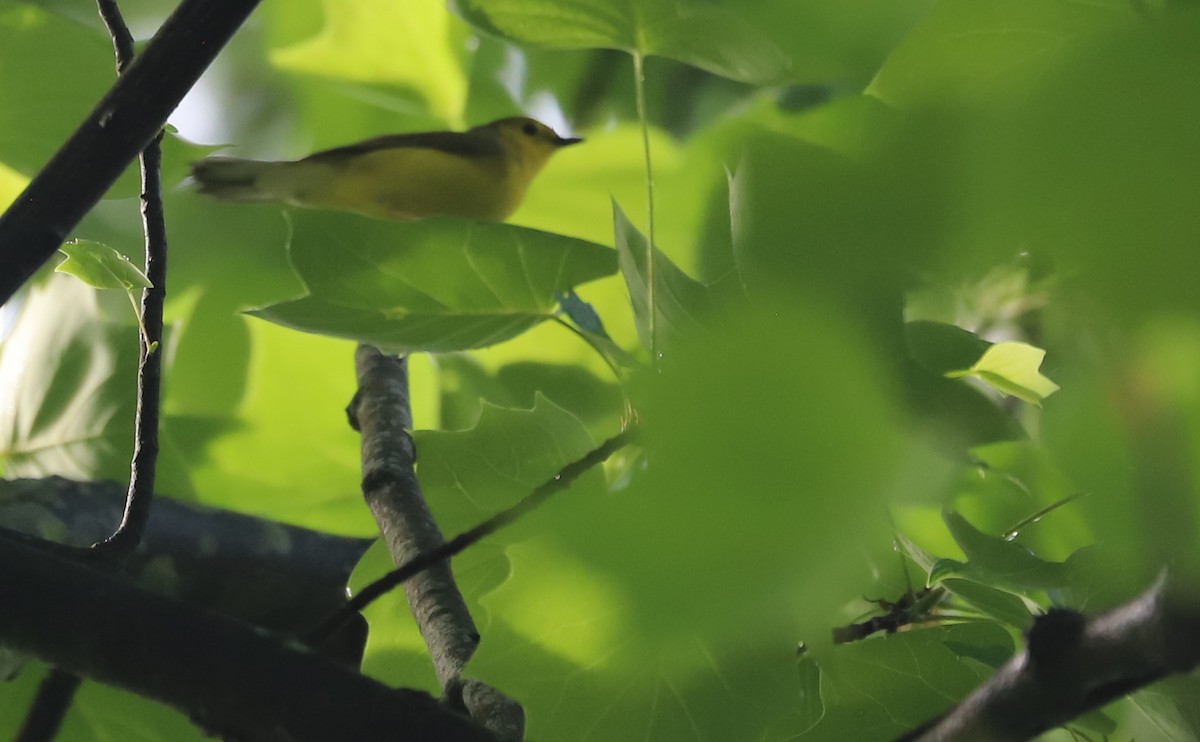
423, 49
38, 110
100, 266
976, 50
703, 34
1012, 368
888, 685
469, 475
273, 456
1170, 709
682, 305
436, 285
71, 376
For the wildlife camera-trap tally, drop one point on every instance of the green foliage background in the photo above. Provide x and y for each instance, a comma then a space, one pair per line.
1018, 169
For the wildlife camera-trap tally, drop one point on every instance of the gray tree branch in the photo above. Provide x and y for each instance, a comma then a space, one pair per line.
382, 413
1074, 664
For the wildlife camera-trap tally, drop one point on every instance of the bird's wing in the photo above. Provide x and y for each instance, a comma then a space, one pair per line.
452, 142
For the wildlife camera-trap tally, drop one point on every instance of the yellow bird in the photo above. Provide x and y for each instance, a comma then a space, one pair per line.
481, 173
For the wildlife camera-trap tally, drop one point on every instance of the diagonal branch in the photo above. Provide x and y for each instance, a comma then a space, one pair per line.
381, 411
116, 131
1073, 664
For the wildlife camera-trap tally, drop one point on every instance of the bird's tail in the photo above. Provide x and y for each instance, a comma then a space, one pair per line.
235, 179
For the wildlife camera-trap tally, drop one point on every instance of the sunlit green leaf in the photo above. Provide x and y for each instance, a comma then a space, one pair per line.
70, 376
416, 45
101, 266
471, 474
1012, 368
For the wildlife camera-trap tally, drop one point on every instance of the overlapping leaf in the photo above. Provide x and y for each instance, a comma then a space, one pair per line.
703, 34
437, 285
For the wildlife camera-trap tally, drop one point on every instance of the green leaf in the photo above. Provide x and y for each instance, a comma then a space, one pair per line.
54, 70
437, 285
400, 332
471, 474
887, 685
683, 305
981, 49
942, 348
1005, 563
998, 604
70, 374
702, 34
100, 266
422, 48
1171, 708
1012, 368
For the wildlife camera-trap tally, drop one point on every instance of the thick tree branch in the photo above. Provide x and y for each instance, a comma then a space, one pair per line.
277, 576
1073, 665
381, 411
237, 681
122, 124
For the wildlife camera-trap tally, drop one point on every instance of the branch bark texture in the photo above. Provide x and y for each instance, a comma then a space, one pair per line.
1073, 665
149, 380
382, 413
237, 681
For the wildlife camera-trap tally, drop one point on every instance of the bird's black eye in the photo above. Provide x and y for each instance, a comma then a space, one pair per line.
530, 129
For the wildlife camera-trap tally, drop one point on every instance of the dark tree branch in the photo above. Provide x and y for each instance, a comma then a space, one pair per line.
381, 411
122, 124
277, 576
149, 381
1073, 664
50, 706
237, 681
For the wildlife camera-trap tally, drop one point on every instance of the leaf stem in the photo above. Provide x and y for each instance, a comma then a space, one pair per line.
639, 84
627, 403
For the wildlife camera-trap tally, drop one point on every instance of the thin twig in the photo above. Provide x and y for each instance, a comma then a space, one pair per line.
149, 385
560, 481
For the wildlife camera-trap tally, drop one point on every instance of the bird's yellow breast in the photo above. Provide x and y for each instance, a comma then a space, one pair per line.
413, 183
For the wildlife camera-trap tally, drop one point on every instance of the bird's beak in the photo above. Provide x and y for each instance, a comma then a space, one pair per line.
567, 141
